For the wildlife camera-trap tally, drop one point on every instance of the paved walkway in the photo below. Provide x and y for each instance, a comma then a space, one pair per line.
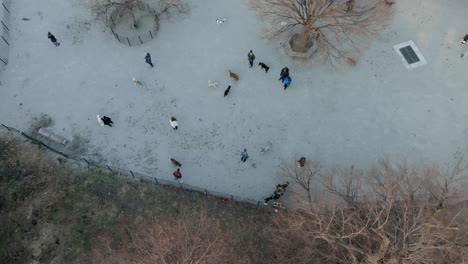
352, 117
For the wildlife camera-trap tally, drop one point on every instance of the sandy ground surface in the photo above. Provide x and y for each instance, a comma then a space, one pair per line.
351, 117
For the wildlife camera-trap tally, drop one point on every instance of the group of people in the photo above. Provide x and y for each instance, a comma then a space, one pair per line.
284, 75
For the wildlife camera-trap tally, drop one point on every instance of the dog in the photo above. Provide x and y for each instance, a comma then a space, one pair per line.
265, 148
212, 84
220, 21
284, 23
137, 82
176, 163
233, 75
264, 66
227, 90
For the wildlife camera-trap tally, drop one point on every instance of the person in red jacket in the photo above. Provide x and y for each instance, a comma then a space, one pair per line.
178, 176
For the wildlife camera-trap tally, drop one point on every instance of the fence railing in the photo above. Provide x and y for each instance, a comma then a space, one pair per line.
5, 32
133, 174
137, 39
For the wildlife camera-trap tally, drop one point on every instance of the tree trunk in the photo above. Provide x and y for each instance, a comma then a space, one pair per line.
301, 42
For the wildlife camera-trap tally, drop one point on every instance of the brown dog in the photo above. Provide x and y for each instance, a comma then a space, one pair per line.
137, 82
233, 75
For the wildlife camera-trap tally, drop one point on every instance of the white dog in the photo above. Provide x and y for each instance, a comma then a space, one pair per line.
284, 23
212, 84
220, 21
266, 148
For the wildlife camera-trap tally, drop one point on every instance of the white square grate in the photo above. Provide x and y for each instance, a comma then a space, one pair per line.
410, 54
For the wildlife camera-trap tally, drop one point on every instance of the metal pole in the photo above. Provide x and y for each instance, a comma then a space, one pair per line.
129, 42
5, 41
132, 174
5, 26
151, 34
6, 8
140, 39
109, 168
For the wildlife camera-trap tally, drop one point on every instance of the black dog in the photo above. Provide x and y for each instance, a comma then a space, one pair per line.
227, 90
176, 163
264, 66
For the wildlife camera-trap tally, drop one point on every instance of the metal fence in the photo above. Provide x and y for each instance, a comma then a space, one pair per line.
133, 174
141, 38
5, 32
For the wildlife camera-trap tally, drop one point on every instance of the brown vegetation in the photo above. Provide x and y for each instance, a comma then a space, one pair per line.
338, 27
390, 214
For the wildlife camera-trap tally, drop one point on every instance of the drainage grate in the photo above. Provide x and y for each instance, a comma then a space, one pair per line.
410, 54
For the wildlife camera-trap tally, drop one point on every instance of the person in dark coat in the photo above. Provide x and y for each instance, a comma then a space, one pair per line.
284, 73
107, 121
287, 82
301, 162
148, 59
53, 39
251, 58
244, 155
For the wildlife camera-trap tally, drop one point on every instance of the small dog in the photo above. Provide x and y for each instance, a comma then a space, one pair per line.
284, 23
227, 90
220, 21
233, 75
264, 66
176, 163
265, 148
212, 84
137, 82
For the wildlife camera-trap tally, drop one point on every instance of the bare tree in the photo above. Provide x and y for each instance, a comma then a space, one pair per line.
168, 8
397, 221
338, 26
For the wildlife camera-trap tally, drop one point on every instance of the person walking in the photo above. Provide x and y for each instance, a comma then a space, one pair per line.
287, 82
251, 58
53, 39
174, 123
105, 120
301, 162
244, 155
178, 175
284, 73
148, 59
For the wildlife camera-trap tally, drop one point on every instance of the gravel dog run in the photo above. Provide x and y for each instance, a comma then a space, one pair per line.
350, 117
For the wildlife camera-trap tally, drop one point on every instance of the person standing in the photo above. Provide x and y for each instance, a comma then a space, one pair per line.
287, 82
284, 73
148, 59
178, 176
227, 90
174, 123
244, 155
251, 58
53, 39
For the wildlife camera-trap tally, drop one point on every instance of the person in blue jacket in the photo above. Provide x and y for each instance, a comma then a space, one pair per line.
287, 82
